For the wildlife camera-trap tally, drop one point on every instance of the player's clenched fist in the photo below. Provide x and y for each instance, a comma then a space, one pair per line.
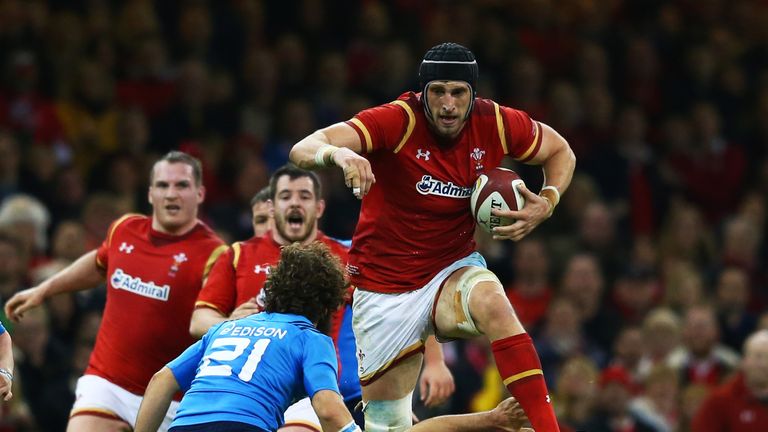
357, 171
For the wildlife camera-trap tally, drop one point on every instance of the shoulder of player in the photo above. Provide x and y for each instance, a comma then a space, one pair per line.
487, 110
130, 221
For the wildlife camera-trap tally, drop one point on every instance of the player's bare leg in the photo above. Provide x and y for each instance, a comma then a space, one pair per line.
473, 302
396, 384
90, 423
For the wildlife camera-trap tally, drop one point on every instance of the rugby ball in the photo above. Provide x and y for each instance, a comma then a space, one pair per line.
496, 189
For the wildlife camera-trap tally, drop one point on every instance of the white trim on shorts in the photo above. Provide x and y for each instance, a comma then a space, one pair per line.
302, 414
391, 327
100, 397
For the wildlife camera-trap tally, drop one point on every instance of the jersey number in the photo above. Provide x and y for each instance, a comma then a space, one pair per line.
238, 345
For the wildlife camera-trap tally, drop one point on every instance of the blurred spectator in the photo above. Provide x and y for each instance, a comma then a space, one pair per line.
710, 157
684, 237
583, 283
658, 404
702, 358
635, 292
89, 116
628, 352
661, 336
612, 410
684, 286
530, 291
12, 269
562, 337
739, 405
740, 244
43, 367
28, 219
732, 299
575, 391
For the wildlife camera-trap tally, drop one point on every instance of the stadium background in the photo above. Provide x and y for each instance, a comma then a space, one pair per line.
665, 104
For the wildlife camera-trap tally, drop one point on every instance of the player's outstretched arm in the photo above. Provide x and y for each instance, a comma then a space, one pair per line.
333, 414
337, 145
6, 363
156, 401
81, 274
507, 416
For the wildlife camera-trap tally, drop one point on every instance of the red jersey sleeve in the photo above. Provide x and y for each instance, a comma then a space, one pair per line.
102, 253
384, 126
218, 290
521, 135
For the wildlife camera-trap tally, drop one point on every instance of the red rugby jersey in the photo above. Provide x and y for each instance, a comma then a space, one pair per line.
416, 219
240, 273
152, 282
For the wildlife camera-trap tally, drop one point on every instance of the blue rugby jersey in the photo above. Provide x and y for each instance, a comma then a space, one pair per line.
250, 370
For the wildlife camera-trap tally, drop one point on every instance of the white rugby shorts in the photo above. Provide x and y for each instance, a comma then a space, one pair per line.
391, 327
95, 395
302, 414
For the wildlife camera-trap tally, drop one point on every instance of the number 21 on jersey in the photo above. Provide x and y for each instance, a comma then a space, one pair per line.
234, 348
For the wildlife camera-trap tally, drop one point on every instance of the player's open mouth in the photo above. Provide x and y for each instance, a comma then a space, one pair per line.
172, 208
295, 220
448, 120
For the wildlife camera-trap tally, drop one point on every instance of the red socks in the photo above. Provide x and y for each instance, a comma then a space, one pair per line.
520, 369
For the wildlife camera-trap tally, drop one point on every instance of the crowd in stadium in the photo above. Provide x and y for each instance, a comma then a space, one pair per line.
639, 292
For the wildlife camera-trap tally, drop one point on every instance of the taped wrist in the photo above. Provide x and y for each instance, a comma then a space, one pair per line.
324, 155
552, 195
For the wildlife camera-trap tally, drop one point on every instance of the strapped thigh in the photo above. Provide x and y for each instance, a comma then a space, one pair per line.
464, 286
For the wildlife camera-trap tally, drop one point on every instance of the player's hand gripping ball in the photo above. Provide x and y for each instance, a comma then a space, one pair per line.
496, 189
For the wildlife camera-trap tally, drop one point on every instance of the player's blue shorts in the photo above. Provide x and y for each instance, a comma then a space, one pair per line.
219, 426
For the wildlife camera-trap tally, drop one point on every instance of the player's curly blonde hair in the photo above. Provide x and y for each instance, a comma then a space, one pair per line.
307, 281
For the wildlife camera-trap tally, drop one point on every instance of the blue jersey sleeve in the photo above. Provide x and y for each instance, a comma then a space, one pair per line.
184, 367
2, 328
320, 366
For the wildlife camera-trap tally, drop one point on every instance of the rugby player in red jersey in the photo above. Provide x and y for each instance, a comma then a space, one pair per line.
154, 268
413, 258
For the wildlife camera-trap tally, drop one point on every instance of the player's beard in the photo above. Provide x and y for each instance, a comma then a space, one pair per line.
281, 225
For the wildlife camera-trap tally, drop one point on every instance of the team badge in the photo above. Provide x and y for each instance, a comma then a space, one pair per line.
178, 259
477, 156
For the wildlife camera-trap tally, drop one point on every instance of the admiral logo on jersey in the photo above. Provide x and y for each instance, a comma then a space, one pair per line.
430, 186
124, 281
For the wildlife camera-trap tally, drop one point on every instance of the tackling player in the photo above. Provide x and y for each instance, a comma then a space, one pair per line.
413, 258
154, 268
243, 374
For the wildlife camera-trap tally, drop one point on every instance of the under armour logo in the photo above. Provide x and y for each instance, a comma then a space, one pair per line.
261, 269
422, 154
125, 248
